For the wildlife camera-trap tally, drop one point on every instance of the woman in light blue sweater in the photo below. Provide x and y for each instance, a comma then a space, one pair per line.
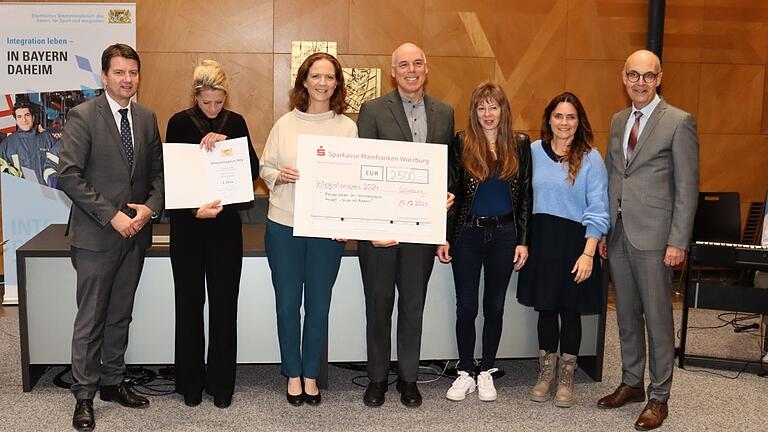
570, 214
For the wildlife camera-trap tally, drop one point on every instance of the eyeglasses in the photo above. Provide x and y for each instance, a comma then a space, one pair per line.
634, 76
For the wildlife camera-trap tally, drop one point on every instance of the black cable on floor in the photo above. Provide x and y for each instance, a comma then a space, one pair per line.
726, 322
149, 383
142, 380
59, 380
744, 368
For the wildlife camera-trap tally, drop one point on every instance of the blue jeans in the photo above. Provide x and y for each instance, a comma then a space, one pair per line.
493, 249
301, 267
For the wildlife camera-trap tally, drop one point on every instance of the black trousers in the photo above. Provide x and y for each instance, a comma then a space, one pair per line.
206, 253
407, 267
491, 249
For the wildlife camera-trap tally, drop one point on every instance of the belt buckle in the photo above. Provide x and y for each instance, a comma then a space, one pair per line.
487, 221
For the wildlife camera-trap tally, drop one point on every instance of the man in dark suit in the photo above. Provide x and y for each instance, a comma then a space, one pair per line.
111, 167
653, 181
406, 114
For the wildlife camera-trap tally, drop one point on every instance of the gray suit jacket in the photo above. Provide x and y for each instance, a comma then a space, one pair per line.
384, 118
95, 174
658, 189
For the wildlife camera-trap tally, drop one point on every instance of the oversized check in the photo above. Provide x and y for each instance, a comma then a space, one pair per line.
194, 177
369, 189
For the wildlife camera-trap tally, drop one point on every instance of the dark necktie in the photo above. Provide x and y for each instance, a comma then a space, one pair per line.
125, 135
632, 142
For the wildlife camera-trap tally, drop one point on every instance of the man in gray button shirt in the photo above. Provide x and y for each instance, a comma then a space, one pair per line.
406, 114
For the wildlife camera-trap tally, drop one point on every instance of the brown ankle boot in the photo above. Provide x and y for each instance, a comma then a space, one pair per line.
541, 390
566, 367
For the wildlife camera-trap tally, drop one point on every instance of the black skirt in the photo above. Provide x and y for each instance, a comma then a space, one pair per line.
546, 282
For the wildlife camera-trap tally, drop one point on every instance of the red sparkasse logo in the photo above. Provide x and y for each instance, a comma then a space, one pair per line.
320, 151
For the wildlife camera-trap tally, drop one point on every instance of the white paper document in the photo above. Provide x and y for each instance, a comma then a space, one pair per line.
194, 177
368, 189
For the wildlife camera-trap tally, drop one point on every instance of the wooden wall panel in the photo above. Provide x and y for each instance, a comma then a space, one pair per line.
282, 84
452, 81
606, 30
735, 32
166, 84
459, 28
377, 27
243, 26
601, 142
765, 98
683, 30
734, 42
530, 29
730, 98
531, 58
734, 163
764, 128
250, 87
250, 78
680, 85
311, 20
598, 85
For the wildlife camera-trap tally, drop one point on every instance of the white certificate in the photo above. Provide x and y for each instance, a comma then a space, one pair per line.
194, 177
367, 189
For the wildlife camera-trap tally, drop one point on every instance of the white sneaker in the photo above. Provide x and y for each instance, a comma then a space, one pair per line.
485, 388
462, 386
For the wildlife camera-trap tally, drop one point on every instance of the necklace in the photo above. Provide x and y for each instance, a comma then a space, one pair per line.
560, 157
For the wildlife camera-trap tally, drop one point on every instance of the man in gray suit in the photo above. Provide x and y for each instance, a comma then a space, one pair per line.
406, 114
653, 180
111, 167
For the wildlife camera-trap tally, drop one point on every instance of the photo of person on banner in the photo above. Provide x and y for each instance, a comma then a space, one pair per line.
31, 152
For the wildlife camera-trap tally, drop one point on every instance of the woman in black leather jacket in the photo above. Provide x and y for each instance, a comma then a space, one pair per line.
489, 172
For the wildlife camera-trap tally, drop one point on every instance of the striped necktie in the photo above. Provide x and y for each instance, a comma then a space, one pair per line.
633, 135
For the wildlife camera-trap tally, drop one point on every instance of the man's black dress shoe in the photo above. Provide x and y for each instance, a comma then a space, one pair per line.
374, 394
222, 401
123, 395
409, 394
83, 419
193, 400
312, 399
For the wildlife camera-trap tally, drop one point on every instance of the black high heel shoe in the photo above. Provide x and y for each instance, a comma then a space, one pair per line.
313, 400
295, 400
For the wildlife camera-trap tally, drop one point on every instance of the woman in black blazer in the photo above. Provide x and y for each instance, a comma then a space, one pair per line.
207, 251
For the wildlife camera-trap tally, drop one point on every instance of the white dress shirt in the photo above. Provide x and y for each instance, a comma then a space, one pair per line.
647, 111
115, 107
